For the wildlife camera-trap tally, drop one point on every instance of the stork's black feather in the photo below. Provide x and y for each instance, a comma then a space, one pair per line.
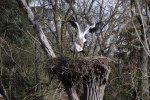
94, 29
72, 22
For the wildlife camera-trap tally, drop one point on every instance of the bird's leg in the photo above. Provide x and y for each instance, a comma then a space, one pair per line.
76, 53
83, 53
73, 53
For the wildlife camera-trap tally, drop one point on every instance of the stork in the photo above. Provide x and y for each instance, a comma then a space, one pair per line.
80, 39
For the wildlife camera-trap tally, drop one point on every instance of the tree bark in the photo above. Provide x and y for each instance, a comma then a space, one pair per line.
144, 76
95, 86
144, 53
4, 95
57, 25
71, 91
42, 38
37, 71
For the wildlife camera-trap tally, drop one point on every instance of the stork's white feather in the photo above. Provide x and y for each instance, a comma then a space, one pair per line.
76, 47
79, 30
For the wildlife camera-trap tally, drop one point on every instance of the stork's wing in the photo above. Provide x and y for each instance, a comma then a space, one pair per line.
73, 22
94, 29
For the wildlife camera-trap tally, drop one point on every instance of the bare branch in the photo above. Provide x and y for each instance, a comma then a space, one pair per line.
42, 38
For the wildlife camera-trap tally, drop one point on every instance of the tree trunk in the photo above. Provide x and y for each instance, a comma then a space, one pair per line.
93, 44
144, 54
37, 71
72, 94
3, 95
58, 25
144, 76
93, 90
42, 38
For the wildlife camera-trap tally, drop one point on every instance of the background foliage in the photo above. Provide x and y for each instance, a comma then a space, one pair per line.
22, 61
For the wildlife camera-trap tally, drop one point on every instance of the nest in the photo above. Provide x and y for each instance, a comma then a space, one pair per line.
82, 66
86, 74
75, 68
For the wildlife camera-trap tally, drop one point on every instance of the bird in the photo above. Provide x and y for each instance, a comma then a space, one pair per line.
79, 41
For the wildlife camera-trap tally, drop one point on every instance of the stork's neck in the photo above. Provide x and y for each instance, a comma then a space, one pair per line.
79, 30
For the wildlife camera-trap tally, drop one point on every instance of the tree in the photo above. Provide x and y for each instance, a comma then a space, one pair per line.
100, 76
142, 35
123, 38
43, 39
